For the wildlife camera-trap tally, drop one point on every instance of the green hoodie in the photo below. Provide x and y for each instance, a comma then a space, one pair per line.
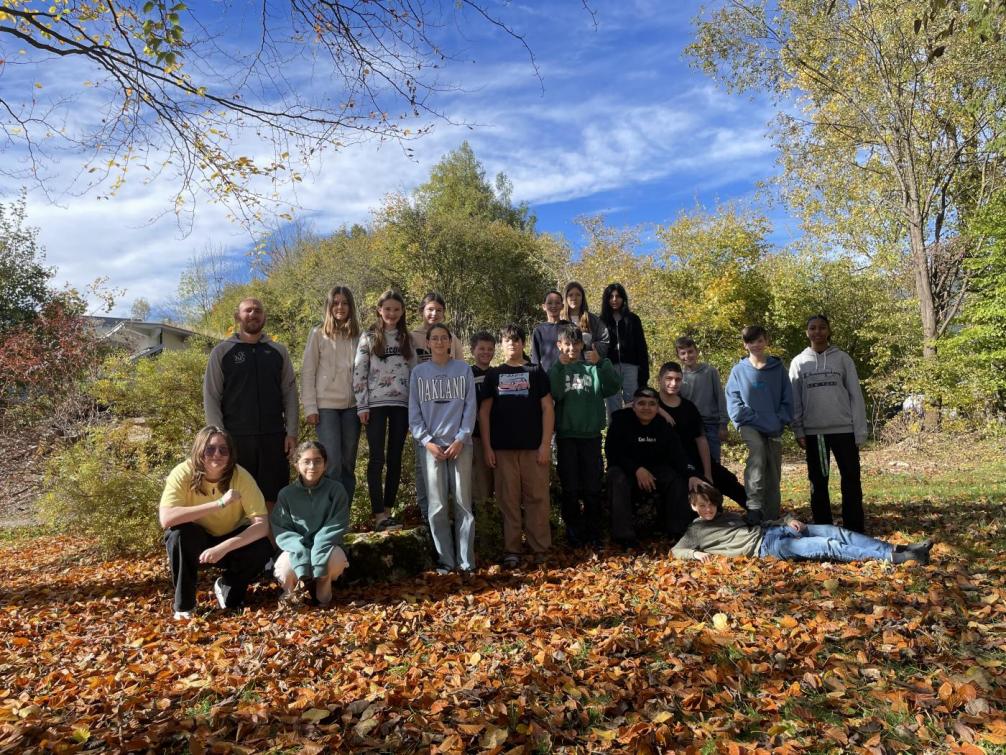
309, 522
579, 390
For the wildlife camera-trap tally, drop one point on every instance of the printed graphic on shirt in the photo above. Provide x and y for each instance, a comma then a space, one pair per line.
646, 439
579, 381
391, 350
822, 380
514, 384
442, 389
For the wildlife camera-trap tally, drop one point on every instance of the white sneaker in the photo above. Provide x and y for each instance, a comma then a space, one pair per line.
221, 591
183, 615
443, 570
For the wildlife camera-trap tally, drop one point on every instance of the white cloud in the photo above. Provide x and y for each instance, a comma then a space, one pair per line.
613, 117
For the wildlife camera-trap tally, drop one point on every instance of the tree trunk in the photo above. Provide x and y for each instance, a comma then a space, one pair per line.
920, 269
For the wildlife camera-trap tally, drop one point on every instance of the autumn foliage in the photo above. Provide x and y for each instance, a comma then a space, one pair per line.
607, 652
44, 357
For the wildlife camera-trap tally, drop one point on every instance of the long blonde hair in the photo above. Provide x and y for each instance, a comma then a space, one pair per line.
332, 328
378, 344
199, 444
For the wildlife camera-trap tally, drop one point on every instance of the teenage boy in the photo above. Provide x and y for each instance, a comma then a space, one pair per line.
759, 401
645, 457
715, 533
579, 388
483, 345
516, 418
701, 385
687, 422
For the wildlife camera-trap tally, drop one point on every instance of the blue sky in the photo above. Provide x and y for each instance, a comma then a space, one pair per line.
619, 124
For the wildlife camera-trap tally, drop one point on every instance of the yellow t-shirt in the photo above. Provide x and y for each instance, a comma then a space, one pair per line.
220, 521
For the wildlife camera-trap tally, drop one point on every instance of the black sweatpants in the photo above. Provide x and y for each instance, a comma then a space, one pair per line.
580, 467
185, 542
846, 452
386, 429
672, 491
727, 483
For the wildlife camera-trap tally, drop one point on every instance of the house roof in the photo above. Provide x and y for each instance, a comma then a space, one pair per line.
112, 322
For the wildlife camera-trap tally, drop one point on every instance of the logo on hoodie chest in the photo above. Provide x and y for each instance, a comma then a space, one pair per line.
579, 382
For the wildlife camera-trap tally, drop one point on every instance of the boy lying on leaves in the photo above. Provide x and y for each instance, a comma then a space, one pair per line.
716, 533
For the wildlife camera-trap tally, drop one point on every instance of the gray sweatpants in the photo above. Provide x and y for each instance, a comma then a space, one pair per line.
763, 472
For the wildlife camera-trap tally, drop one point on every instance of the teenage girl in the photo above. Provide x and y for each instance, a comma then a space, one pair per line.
309, 520
327, 392
544, 351
442, 413
384, 359
595, 333
431, 312
829, 417
627, 349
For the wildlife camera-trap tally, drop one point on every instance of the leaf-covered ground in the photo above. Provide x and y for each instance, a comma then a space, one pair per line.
618, 652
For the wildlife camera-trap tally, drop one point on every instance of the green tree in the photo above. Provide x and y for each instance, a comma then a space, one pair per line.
464, 238
973, 374
24, 280
713, 277
890, 133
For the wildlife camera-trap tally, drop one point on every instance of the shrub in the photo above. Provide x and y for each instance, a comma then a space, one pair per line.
108, 484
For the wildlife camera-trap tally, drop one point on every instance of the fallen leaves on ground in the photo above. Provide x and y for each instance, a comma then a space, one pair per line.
632, 653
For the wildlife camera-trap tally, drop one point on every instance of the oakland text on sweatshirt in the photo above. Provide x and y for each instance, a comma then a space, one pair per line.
442, 407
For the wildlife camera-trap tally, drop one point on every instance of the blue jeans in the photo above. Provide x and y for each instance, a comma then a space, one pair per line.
630, 381
712, 433
822, 542
444, 478
339, 433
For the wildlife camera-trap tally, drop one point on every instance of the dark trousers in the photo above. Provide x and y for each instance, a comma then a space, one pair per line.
843, 447
264, 458
672, 497
581, 468
386, 431
727, 483
185, 542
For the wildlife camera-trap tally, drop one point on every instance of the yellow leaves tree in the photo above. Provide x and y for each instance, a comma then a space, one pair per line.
712, 276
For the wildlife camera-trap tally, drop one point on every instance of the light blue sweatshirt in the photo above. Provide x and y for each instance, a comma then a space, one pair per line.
760, 398
442, 406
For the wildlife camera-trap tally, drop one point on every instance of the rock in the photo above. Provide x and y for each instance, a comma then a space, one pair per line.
388, 556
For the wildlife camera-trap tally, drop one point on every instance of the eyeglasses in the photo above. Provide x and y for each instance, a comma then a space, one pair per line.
212, 450
311, 462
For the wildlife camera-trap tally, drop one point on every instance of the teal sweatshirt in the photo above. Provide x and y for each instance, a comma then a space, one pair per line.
579, 390
309, 522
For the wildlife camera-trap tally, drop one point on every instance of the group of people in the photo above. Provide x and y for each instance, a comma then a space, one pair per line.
482, 431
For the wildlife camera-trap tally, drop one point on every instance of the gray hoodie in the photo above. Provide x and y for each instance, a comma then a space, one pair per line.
442, 404
703, 388
827, 398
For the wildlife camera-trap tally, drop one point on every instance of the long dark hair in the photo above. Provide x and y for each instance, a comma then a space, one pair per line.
607, 314
199, 443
